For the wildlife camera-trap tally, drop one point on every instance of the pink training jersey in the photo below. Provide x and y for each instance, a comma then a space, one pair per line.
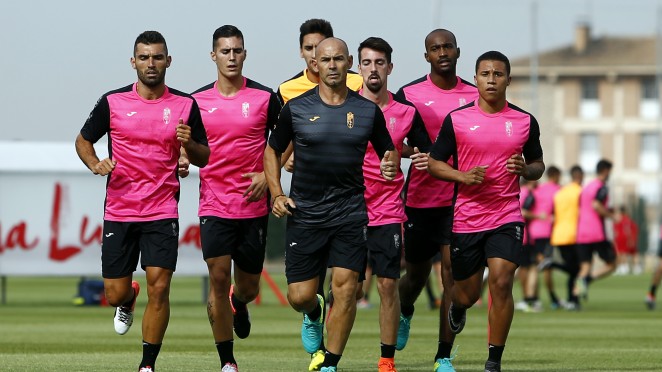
237, 129
433, 104
544, 205
591, 226
144, 185
383, 198
475, 138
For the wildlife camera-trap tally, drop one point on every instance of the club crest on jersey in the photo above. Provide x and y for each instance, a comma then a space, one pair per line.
350, 120
244, 109
462, 102
509, 128
391, 123
166, 116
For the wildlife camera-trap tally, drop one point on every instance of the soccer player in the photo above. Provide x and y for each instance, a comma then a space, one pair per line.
429, 201
148, 125
656, 278
527, 273
591, 236
311, 33
626, 233
492, 143
238, 115
385, 206
330, 127
540, 228
564, 230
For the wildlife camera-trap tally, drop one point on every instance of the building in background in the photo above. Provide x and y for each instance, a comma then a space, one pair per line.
599, 98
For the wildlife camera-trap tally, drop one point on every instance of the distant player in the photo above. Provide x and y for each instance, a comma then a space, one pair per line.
591, 235
656, 278
564, 231
540, 228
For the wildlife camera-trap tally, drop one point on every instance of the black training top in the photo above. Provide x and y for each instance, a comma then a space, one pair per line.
329, 146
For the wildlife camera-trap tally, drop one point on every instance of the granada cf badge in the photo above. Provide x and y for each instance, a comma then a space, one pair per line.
350, 120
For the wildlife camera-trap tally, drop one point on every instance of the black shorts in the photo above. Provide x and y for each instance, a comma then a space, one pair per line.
385, 250
308, 250
544, 248
245, 240
426, 230
570, 258
659, 249
605, 251
470, 251
528, 256
155, 242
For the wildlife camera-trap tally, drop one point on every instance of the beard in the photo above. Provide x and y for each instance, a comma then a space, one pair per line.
375, 87
151, 80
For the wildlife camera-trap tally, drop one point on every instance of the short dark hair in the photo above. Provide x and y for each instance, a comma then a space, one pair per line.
494, 55
226, 31
553, 171
575, 170
378, 44
150, 37
603, 165
440, 30
315, 26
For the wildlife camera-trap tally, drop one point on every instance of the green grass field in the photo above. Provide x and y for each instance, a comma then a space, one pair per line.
41, 331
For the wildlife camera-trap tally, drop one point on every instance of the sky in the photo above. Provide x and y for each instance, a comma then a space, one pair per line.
58, 57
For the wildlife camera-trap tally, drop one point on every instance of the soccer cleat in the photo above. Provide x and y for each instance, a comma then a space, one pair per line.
316, 360
560, 304
444, 365
650, 301
521, 306
386, 365
146, 369
572, 306
403, 332
491, 366
329, 369
311, 331
123, 318
241, 320
456, 325
230, 367
534, 307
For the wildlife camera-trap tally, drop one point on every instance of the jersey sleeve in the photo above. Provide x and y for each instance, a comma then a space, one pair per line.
602, 194
529, 202
380, 138
532, 149
98, 123
282, 134
445, 146
198, 132
273, 111
418, 135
